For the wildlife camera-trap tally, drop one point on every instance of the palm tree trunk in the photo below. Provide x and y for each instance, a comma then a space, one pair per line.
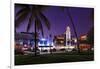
74, 29
50, 43
50, 49
35, 40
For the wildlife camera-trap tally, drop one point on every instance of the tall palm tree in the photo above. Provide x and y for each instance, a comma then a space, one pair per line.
34, 15
74, 28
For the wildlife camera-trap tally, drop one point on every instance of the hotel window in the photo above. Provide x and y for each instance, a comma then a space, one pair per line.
45, 42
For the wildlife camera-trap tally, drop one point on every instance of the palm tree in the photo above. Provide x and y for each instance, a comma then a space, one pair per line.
50, 36
74, 28
34, 15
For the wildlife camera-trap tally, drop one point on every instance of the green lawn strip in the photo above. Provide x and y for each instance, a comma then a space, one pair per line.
53, 58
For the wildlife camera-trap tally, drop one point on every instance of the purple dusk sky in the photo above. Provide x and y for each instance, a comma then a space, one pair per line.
59, 20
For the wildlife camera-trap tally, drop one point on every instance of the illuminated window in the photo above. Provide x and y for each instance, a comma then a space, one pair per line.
45, 42
41, 42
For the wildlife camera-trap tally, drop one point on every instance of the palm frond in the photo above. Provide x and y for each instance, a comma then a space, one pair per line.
32, 16
29, 23
38, 7
18, 14
21, 18
39, 25
46, 21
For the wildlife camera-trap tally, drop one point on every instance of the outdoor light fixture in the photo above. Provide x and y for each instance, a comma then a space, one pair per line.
43, 39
